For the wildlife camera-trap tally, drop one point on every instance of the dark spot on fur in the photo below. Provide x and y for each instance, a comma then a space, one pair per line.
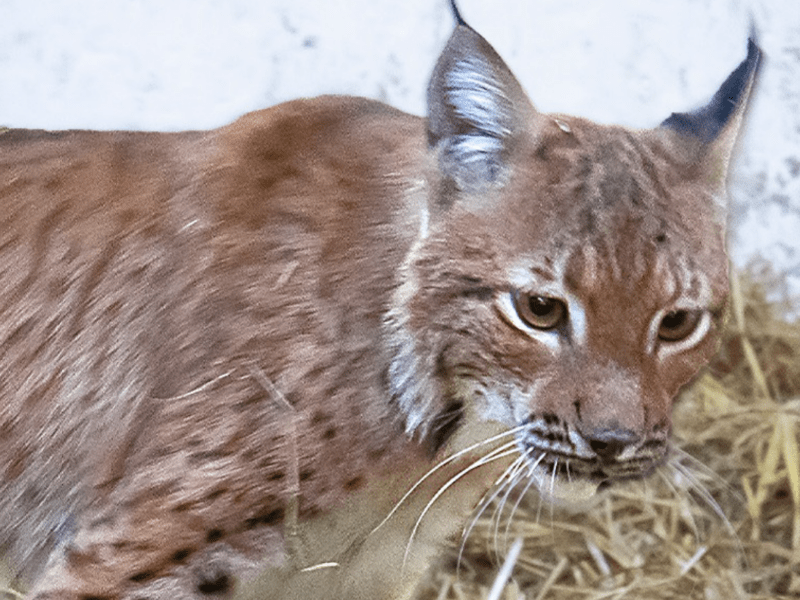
384, 377
446, 193
441, 364
354, 484
89, 597
246, 404
376, 454
182, 507
470, 281
542, 152
320, 417
218, 585
181, 555
215, 494
305, 475
78, 560
121, 545
481, 293
206, 456
276, 476
588, 221
21, 332
213, 535
143, 576
271, 518
330, 433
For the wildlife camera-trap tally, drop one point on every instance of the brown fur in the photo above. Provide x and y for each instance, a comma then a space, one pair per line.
238, 349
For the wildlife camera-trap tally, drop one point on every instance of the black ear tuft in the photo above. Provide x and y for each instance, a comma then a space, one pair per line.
457, 14
475, 106
708, 122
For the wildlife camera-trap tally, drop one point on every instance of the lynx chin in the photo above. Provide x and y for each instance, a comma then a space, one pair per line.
305, 346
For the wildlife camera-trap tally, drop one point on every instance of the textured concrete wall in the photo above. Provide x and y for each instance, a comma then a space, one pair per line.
174, 64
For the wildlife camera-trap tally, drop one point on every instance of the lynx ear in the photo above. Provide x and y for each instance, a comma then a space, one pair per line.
716, 125
475, 106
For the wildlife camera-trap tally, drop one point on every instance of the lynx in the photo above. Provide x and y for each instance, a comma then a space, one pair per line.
307, 344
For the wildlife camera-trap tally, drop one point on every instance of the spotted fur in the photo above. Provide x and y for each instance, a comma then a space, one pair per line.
249, 350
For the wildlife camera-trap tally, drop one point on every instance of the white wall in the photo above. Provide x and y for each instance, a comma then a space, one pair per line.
177, 64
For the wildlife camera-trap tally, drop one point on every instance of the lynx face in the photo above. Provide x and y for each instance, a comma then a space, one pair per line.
590, 280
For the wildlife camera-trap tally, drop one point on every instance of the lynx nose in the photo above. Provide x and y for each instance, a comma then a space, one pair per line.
609, 443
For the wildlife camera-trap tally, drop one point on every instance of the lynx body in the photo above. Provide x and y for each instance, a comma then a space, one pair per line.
253, 349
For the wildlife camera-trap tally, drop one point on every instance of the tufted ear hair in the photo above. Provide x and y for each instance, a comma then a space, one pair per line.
475, 107
716, 125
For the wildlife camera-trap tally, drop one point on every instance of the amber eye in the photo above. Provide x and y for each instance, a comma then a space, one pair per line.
540, 312
677, 325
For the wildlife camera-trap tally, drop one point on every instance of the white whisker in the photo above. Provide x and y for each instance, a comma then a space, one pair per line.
519, 474
539, 460
503, 451
553, 476
690, 517
524, 493
698, 465
508, 486
699, 488
484, 503
443, 463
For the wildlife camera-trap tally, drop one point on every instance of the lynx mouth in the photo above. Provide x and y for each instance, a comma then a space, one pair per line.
561, 488
573, 481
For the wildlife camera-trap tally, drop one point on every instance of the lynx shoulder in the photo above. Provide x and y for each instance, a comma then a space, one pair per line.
308, 343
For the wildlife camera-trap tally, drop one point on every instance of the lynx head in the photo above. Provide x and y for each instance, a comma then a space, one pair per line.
570, 277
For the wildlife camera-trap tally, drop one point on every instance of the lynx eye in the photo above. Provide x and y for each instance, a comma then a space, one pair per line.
540, 312
677, 325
